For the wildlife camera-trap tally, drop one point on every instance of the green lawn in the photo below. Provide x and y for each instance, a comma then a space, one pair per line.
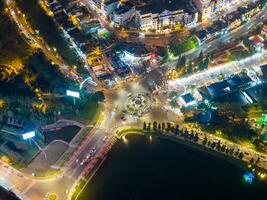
187, 45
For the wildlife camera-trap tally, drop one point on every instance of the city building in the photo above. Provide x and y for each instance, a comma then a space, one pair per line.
209, 7
264, 31
124, 13
164, 15
109, 6
186, 100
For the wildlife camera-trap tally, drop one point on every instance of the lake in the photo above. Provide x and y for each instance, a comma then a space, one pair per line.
160, 169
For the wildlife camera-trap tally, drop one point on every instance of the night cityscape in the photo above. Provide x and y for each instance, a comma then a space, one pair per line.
133, 99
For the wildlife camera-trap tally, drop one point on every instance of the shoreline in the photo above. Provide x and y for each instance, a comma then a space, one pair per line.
238, 163
8, 194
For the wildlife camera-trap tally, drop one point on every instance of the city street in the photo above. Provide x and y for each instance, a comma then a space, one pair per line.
114, 114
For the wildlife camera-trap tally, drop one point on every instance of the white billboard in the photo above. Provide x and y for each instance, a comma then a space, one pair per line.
28, 135
73, 94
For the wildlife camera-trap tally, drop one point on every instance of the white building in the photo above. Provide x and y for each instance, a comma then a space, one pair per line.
165, 15
209, 7
109, 6
123, 13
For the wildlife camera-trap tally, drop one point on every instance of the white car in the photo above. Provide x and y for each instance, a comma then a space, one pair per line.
104, 138
88, 156
93, 150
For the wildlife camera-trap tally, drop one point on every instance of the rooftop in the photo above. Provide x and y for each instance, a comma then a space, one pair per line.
158, 6
218, 88
125, 7
188, 98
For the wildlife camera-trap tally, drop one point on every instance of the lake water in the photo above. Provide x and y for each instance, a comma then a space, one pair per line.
145, 170
4, 195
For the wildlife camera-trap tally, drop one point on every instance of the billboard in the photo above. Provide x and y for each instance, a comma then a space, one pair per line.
73, 94
28, 135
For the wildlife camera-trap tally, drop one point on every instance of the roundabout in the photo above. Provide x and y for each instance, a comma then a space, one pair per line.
52, 196
138, 105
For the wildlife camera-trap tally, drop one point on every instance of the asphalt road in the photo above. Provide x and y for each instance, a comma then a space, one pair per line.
224, 40
29, 187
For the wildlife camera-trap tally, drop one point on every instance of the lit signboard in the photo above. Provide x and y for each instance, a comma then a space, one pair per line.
73, 94
28, 135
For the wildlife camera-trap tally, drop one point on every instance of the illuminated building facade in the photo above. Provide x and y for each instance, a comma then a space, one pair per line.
209, 7
162, 15
124, 13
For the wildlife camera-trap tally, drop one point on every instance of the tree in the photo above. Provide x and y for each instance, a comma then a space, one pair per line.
155, 125
176, 131
163, 126
168, 126
149, 126
178, 64
159, 126
181, 62
189, 69
218, 145
204, 64
223, 148
201, 56
144, 126
241, 155
100, 96
196, 137
186, 45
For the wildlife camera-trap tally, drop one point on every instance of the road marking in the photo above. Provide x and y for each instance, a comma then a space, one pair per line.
28, 187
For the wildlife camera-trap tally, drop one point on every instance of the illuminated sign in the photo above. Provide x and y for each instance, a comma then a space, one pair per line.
28, 135
73, 94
